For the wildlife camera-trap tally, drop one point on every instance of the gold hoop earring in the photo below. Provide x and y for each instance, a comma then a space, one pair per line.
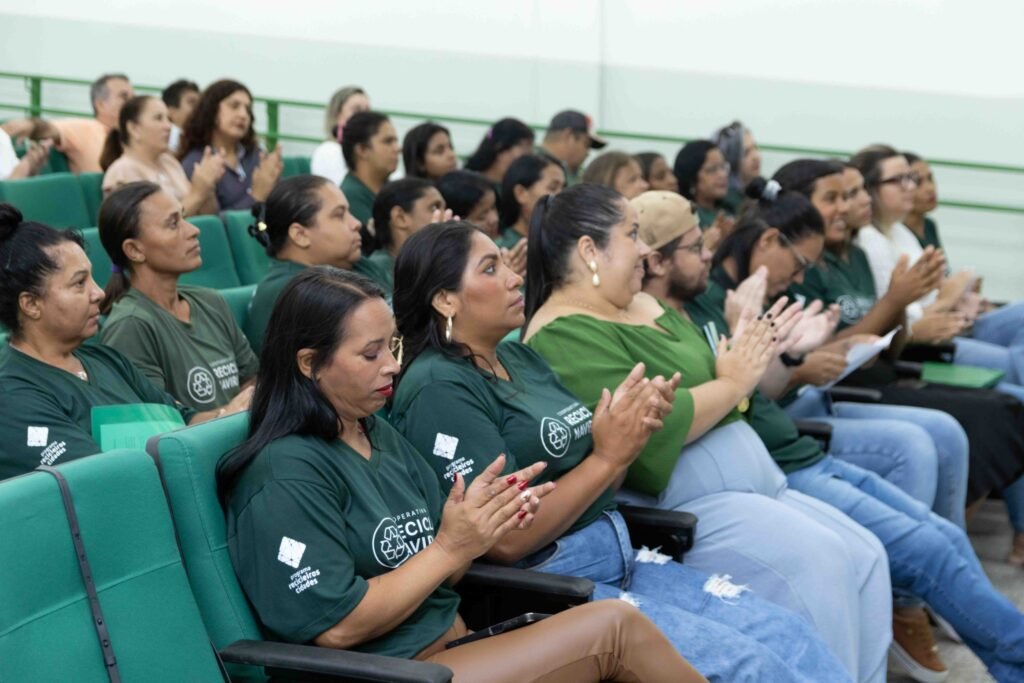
448, 330
596, 279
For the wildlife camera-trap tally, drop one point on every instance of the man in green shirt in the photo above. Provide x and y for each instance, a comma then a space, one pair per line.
569, 139
204, 363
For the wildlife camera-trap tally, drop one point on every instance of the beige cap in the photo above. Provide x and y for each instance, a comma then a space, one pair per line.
663, 217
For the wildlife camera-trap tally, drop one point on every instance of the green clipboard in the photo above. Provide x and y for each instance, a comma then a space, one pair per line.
131, 425
966, 376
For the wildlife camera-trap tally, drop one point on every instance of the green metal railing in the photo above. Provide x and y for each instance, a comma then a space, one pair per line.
272, 134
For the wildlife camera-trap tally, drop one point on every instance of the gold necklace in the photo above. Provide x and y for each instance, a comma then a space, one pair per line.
621, 314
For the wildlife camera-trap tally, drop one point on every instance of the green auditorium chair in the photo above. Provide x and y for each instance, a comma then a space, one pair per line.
56, 163
251, 258
101, 264
238, 299
218, 269
92, 191
187, 460
295, 166
54, 199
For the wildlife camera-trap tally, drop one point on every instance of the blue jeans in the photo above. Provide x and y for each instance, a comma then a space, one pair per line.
929, 557
1005, 327
726, 637
887, 440
972, 351
788, 548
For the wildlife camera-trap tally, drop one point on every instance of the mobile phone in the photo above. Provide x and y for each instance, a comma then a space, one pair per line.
503, 627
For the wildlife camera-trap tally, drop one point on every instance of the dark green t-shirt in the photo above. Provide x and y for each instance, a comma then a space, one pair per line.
459, 420
360, 197
201, 363
791, 451
380, 267
844, 281
279, 274
590, 355
931, 235
47, 413
508, 238
311, 521
707, 216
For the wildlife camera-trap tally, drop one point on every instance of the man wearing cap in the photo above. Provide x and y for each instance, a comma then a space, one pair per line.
569, 139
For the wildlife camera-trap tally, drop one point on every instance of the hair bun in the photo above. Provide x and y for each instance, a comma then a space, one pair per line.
755, 187
763, 190
10, 219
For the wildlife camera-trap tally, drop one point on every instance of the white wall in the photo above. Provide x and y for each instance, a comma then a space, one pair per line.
940, 77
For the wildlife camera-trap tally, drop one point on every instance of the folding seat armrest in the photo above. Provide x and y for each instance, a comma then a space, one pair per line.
492, 593
820, 431
907, 369
289, 662
919, 353
670, 531
855, 394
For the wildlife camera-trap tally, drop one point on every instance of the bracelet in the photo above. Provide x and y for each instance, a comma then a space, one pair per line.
791, 361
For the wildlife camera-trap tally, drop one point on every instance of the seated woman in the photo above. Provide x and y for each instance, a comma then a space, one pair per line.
184, 339
471, 196
703, 176
305, 222
222, 124
427, 152
529, 178
137, 151
464, 396
401, 208
370, 146
51, 379
319, 471
503, 143
929, 557
656, 171
619, 171
583, 293
327, 160
741, 152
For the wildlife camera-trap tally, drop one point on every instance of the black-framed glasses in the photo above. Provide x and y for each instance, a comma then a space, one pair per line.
802, 262
904, 179
397, 347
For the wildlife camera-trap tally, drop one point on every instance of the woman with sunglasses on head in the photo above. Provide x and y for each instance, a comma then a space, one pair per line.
464, 396
314, 492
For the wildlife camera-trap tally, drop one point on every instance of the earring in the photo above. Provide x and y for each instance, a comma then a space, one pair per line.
448, 330
596, 280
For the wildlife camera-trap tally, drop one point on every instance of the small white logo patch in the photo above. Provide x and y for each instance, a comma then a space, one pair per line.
200, 385
38, 436
445, 445
291, 552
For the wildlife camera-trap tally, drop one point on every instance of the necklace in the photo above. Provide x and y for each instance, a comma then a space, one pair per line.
619, 313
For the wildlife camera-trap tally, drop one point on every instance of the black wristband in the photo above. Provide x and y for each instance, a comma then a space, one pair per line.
789, 361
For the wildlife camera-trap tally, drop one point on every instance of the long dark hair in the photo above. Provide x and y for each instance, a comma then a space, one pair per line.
402, 193
119, 221
557, 224
790, 213
503, 135
688, 163
359, 130
414, 147
117, 138
524, 171
293, 200
431, 260
311, 313
802, 175
198, 130
24, 260
463, 190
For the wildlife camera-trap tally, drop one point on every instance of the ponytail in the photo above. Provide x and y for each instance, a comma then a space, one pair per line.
117, 138
113, 148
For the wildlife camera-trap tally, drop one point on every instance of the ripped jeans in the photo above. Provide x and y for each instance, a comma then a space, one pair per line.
724, 631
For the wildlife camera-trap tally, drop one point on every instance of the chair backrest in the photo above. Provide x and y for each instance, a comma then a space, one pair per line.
56, 163
238, 299
46, 627
55, 199
92, 192
218, 269
101, 264
295, 166
187, 460
251, 258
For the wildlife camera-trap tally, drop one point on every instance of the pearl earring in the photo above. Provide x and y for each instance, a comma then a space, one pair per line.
448, 330
596, 279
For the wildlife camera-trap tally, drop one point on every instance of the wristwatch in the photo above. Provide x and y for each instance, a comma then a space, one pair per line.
790, 361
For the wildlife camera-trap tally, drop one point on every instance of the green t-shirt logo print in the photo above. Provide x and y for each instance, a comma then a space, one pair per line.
554, 436
200, 385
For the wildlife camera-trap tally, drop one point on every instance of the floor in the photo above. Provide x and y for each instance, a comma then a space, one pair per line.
990, 533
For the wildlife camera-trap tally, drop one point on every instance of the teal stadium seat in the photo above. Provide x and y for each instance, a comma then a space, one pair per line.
56, 200
295, 166
238, 299
92, 192
251, 258
101, 264
57, 163
218, 269
46, 628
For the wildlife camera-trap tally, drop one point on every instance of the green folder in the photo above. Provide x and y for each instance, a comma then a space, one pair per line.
131, 425
967, 376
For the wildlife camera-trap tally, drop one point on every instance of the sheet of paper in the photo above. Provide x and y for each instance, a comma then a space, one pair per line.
131, 425
859, 354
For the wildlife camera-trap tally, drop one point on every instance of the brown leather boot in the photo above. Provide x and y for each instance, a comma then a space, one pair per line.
914, 648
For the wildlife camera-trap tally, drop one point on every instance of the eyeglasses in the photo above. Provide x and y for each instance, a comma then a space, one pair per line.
904, 179
801, 260
697, 248
720, 167
397, 347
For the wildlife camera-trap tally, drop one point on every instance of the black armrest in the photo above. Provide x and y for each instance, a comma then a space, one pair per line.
492, 593
907, 369
671, 531
855, 394
919, 353
285, 661
821, 431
